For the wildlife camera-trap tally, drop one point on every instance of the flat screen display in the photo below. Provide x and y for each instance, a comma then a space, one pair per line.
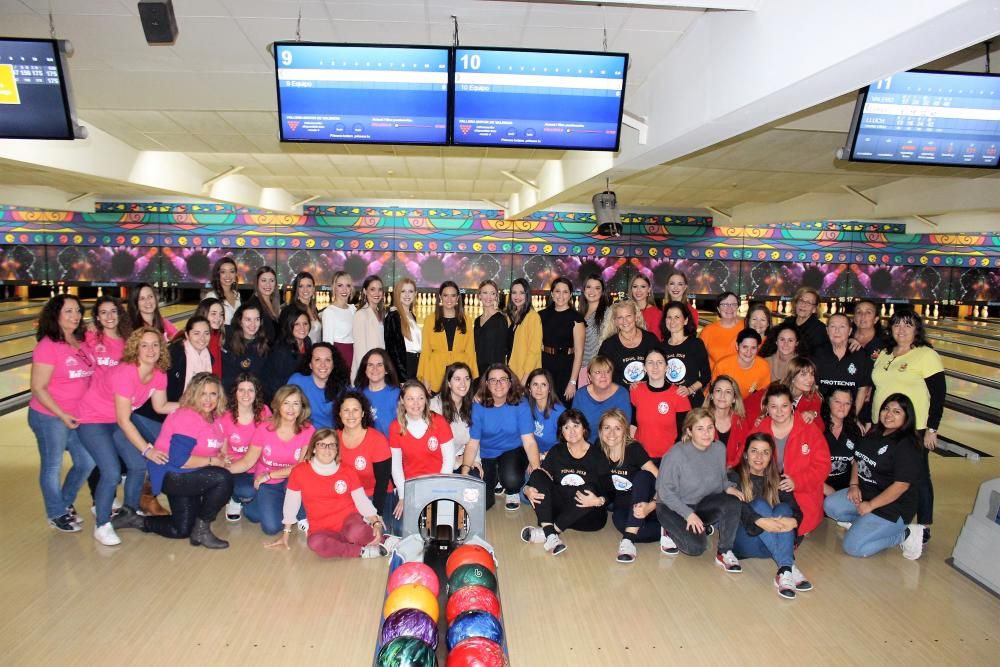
356, 93
932, 118
34, 98
538, 99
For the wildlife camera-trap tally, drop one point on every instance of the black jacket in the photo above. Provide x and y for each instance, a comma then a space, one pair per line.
395, 344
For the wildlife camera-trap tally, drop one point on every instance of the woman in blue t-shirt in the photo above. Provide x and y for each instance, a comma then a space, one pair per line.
545, 409
502, 434
378, 381
602, 394
322, 378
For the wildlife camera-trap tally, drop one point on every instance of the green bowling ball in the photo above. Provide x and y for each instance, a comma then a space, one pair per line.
407, 652
472, 574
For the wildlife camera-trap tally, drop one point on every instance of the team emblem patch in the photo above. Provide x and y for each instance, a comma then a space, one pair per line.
852, 369
432, 443
360, 463
340, 487
805, 448
663, 408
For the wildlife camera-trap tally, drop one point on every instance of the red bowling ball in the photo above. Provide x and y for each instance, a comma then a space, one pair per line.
470, 554
477, 652
472, 598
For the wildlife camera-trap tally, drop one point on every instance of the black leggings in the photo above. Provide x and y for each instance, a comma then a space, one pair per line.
559, 505
198, 494
509, 467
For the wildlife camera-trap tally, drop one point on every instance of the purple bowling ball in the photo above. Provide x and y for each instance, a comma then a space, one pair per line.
409, 623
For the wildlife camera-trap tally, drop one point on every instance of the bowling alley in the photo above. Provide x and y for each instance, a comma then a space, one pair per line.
500, 333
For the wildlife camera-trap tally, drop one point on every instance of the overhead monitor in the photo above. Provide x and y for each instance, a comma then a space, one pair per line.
35, 100
930, 118
570, 100
360, 93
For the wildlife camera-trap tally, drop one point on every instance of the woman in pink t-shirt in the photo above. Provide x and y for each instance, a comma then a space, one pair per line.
275, 447
113, 395
193, 476
61, 368
106, 338
246, 413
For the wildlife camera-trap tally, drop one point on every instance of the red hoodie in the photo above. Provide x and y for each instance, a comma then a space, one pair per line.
807, 462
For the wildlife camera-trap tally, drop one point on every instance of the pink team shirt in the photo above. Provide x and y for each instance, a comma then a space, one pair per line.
239, 436
98, 405
71, 373
107, 351
275, 453
374, 448
169, 330
185, 421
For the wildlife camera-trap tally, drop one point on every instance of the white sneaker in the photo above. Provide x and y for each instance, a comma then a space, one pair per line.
801, 583
626, 551
498, 489
846, 525
390, 542
913, 545
729, 562
554, 545
234, 510
667, 545
106, 535
512, 502
785, 585
304, 526
115, 506
532, 535
374, 551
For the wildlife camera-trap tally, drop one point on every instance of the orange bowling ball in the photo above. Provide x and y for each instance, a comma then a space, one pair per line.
412, 596
470, 554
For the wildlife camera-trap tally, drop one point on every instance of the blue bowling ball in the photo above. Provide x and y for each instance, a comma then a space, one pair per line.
475, 624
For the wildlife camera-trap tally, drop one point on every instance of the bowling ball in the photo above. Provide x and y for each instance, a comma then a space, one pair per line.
411, 596
477, 652
409, 623
414, 573
406, 652
474, 624
472, 575
472, 598
469, 553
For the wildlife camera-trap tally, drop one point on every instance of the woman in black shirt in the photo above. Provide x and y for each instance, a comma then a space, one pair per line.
687, 358
563, 335
491, 329
626, 343
842, 435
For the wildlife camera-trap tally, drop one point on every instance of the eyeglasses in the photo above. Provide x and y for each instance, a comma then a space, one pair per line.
326, 445
498, 381
807, 303
728, 305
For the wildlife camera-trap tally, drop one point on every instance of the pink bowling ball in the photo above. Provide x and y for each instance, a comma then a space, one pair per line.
414, 573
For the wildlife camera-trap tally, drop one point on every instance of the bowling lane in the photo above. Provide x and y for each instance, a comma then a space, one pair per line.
978, 335
12, 308
27, 326
981, 344
31, 309
15, 380
973, 391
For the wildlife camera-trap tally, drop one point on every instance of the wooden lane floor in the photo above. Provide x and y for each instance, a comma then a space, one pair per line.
159, 602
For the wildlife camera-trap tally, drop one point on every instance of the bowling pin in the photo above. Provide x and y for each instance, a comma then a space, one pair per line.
892, 309
883, 312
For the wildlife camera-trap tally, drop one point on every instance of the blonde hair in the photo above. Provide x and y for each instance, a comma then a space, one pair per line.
618, 415
279, 398
610, 329
599, 362
131, 353
738, 408
401, 406
189, 399
694, 416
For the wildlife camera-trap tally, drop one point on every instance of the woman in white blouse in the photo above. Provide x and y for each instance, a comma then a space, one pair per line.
338, 317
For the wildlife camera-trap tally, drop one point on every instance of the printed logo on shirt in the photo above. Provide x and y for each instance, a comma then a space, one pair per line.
539, 429
298, 453
634, 371
883, 450
663, 407
214, 444
245, 364
572, 480
360, 463
374, 413
432, 443
621, 483
865, 465
849, 444
805, 448
340, 487
839, 466
676, 370
852, 369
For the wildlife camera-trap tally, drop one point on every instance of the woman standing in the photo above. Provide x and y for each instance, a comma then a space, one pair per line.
694, 493
571, 489
247, 348
602, 393
290, 348
726, 408
759, 319
867, 332
343, 522
687, 359
801, 454
225, 287
910, 366
108, 403
454, 403
502, 435
61, 368
322, 380
769, 516
842, 435
563, 335
779, 353
363, 448
106, 340
626, 343
656, 404
338, 317
247, 411
378, 381
633, 475
144, 310
193, 477
641, 294
677, 290
420, 442
447, 338
211, 309
367, 329
750, 371
881, 498
525, 331
593, 307
275, 447
189, 356
304, 297
812, 333
719, 336
491, 329
265, 295
403, 337
545, 409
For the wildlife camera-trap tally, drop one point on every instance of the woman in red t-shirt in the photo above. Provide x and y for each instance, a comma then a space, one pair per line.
343, 522
363, 448
655, 404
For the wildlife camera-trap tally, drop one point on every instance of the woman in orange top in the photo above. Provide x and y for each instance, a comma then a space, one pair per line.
750, 371
720, 336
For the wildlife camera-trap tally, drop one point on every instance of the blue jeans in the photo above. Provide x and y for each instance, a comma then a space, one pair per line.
267, 508
870, 533
105, 443
779, 546
148, 428
54, 438
243, 491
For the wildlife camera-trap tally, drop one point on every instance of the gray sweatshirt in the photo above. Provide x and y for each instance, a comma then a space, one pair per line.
688, 474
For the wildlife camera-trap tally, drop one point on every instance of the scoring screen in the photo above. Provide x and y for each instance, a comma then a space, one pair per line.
33, 102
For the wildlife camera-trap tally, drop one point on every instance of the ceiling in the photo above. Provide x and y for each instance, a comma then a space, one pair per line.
210, 98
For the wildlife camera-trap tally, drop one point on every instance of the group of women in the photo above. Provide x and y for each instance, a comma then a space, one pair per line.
255, 409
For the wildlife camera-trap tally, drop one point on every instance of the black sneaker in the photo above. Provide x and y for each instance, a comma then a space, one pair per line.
927, 534
709, 530
65, 524
77, 519
498, 489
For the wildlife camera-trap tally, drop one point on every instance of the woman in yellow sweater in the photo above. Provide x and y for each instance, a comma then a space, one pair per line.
526, 331
447, 338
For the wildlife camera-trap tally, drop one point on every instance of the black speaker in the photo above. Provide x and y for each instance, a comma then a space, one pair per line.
609, 222
158, 21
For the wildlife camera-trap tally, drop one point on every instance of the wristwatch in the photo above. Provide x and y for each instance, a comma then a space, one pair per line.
932, 430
